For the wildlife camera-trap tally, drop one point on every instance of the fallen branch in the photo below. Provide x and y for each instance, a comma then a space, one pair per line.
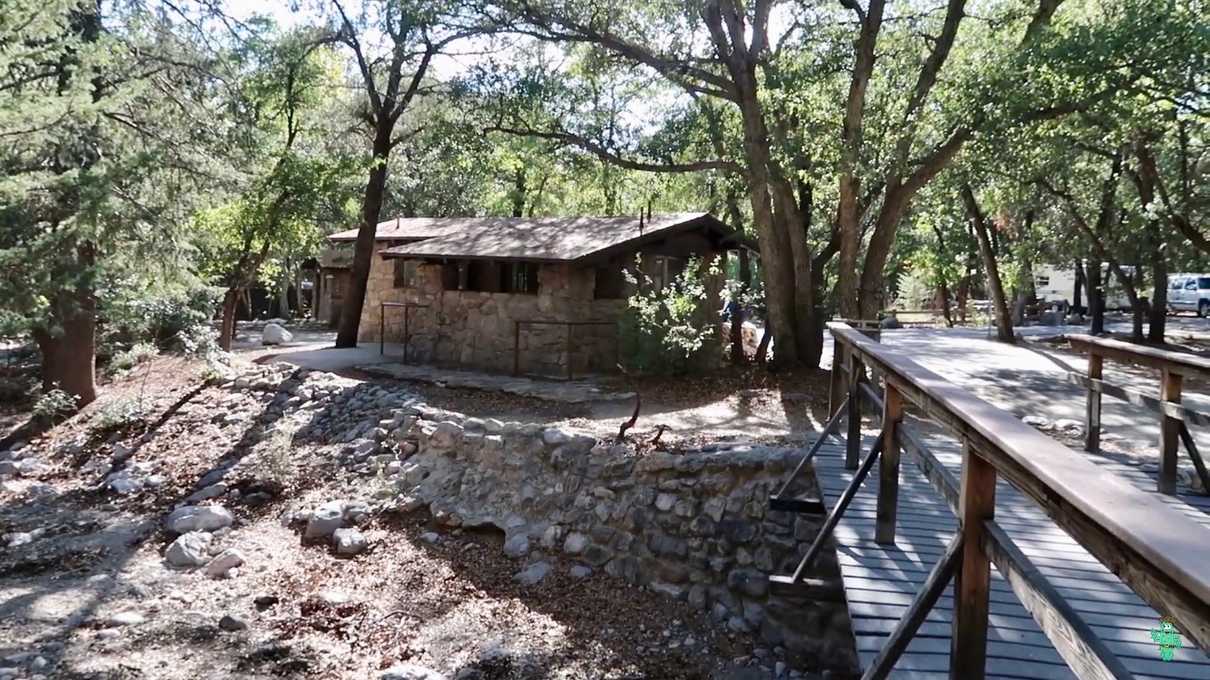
634, 417
655, 441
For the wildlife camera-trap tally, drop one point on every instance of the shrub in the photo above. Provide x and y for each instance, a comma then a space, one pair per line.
128, 359
54, 406
165, 318
119, 414
665, 330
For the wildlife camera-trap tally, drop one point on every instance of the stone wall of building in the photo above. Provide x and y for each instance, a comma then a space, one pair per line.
694, 526
477, 330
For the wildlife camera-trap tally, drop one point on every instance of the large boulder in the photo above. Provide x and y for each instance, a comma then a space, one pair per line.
189, 550
274, 334
198, 518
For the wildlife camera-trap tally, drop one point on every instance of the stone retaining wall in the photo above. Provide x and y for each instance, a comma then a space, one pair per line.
693, 526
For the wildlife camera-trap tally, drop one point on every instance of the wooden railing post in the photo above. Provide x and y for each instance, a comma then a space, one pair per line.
834, 380
852, 454
1092, 415
1170, 429
968, 650
888, 471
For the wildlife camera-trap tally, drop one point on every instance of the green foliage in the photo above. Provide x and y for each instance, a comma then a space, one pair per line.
128, 359
164, 317
54, 406
666, 331
119, 414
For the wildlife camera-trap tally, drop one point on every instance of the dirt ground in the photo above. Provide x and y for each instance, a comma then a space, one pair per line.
85, 591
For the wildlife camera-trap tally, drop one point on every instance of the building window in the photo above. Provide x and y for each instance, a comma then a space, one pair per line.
452, 275
519, 277
610, 283
1042, 281
483, 276
406, 273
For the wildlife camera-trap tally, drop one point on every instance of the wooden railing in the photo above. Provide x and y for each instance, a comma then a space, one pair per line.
1174, 418
1157, 551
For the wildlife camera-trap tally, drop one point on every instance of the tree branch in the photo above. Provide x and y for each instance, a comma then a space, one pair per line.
614, 159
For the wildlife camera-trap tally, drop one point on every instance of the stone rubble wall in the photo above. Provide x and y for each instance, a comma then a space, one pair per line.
695, 526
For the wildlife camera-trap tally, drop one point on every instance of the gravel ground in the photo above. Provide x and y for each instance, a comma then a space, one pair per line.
85, 591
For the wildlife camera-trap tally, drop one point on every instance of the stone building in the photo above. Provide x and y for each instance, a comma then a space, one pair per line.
523, 295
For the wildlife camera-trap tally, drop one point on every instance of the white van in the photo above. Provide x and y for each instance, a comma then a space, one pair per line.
1189, 293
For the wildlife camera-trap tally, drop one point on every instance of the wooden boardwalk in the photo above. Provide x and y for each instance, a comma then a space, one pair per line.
880, 581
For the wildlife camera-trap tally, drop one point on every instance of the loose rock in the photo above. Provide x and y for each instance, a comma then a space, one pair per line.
349, 541
189, 550
221, 566
533, 574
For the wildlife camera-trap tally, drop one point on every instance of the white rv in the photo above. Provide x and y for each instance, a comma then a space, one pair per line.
1058, 284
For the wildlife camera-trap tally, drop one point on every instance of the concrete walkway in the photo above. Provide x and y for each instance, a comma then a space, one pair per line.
562, 391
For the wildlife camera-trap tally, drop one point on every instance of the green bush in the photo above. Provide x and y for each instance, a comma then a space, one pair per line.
128, 359
664, 331
168, 319
119, 414
54, 406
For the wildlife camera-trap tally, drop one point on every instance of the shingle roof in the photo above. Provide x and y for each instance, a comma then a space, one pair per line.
406, 229
549, 239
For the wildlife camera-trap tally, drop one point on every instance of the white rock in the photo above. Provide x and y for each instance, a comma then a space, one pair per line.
275, 334
410, 671
198, 518
1069, 426
1037, 421
430, 537
190, 550
553, 436
517, 546
349, 541
533, 574
221, 566
19, 538
206, 493
325, 520
575, 543
126, 619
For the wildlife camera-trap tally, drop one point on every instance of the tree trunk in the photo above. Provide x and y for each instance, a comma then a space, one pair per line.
995, 287
227, 329
363, 253
943, 289
69, 359
738, 355
1159, 290
1096, 297
1077, 297
283, 292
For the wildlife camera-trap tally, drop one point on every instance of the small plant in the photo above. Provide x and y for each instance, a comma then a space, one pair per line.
54, 406
665, 330
119, 414
140, 352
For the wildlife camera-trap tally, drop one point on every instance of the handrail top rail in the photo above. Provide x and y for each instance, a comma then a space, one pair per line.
1154, 357
1160, 534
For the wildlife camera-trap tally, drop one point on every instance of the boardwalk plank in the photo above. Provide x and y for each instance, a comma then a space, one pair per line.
881, 581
